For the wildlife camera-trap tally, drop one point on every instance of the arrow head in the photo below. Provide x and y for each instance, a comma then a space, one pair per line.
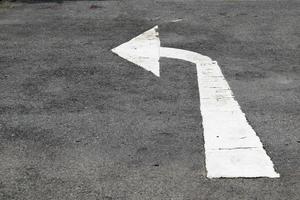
142, 50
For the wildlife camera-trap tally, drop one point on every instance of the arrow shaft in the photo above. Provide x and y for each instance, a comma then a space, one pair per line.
232, 147
183, 55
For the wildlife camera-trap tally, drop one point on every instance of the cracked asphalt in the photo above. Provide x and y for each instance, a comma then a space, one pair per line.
77, 122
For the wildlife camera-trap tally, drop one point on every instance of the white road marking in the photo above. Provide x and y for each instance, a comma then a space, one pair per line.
232, 148
142, 50
176, 20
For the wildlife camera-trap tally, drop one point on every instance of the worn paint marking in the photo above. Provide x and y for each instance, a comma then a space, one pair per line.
232, 148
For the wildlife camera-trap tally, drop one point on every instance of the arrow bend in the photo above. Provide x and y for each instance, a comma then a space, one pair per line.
232, 148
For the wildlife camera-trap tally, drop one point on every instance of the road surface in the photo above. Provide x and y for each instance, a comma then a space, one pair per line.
79, 122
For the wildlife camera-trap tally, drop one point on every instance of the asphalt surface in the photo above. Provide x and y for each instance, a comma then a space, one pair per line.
78, 122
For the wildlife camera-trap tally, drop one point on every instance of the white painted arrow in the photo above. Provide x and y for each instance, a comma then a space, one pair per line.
232, 148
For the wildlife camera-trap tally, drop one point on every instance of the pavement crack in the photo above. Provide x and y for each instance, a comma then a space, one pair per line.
237, 148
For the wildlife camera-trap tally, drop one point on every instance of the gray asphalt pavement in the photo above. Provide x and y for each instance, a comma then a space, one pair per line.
77, 122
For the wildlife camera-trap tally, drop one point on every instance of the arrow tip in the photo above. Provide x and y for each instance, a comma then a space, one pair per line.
142, 50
